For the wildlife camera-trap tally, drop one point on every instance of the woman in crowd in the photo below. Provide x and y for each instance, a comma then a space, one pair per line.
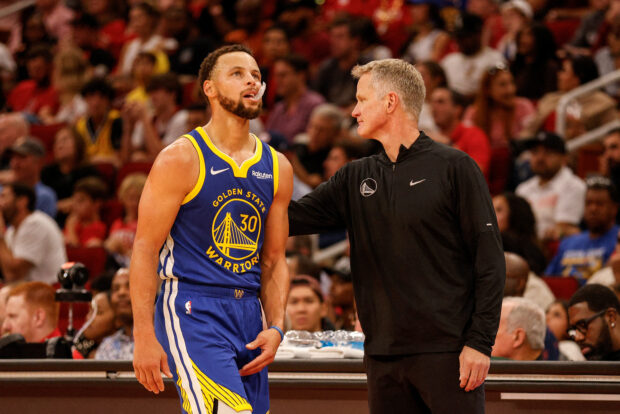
535, 67
501, 115
516, 221
69, 75
101, 326
69, 166
557, 322
306, 309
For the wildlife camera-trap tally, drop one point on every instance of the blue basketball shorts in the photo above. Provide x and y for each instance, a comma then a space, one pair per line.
204, 331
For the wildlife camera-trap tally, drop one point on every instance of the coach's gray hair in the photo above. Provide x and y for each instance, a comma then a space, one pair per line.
396, 75
330, 112
528, 316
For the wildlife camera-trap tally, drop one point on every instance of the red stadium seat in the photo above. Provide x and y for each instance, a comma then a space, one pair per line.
94, 258
562, 287
46, 134
111, 210
131, 168
107, 170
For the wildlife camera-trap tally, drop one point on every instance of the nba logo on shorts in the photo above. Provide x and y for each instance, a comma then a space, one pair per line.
188, 307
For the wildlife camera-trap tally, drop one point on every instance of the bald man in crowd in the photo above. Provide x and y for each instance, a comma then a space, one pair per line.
517, 272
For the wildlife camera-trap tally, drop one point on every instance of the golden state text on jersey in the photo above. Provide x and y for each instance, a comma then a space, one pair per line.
218, 233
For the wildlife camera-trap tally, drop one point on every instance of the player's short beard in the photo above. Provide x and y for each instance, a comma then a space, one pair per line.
237, 108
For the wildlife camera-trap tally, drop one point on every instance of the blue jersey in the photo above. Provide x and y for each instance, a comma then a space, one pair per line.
218, 233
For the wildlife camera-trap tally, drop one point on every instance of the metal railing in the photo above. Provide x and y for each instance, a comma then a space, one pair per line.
15, 7
595, 134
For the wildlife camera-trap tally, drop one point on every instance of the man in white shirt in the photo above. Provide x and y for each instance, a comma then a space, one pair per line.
464, 69
557, 196
32, 247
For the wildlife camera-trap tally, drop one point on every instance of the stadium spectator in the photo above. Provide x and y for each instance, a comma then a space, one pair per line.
587, 34
333, 79
26, 164
32, 248
290, 116
4, 293
587, 112
535, 66
12, 127
143, 21
517, 225
594, 324
447, 108
309, 39
37, 92
521, 332
192, 46
102, 126
465, 68
32, 312
33, 34
57, 18
342, 153
555, 193
516, 14
142, 71
585, 253
306, 307
609, 275
84, 227
324, 127
517, 272
69, 76
250, 26
607, 59
119, 346
371, 45
557, 322
85, 36
433, 77
428, 39
111, 26
488, 11
147, 132
101, 326
70, 164
123, 229
502, 116
341, 301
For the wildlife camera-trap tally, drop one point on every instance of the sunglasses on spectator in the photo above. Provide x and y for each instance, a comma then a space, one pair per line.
582, 325
500, 67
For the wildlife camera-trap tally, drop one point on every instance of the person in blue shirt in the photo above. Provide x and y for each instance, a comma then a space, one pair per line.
587, 252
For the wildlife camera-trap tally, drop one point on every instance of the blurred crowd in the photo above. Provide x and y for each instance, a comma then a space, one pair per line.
92, 90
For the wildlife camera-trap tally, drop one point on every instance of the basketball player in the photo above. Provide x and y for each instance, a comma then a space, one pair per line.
213, 224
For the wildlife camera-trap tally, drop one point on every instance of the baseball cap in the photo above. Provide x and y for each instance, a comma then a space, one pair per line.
548, 140
520, 5
28, 146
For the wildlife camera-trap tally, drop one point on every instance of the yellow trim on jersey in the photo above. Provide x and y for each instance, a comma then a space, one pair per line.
211, 390
239, 171
276, 170
201, 174
185, 402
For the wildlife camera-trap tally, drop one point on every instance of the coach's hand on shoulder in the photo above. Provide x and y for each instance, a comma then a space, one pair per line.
149, 361
268, 342
474, 367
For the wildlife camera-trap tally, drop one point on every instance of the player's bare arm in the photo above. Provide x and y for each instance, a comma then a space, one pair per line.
274, 272
172, 177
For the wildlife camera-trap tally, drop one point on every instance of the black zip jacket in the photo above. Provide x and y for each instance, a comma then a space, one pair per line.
426, 254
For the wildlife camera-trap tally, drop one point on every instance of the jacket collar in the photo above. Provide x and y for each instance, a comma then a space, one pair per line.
422, 143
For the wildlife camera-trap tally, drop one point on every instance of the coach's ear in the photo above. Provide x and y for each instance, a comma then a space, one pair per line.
391, 102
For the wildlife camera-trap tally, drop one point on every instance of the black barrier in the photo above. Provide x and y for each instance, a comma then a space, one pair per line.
301, 386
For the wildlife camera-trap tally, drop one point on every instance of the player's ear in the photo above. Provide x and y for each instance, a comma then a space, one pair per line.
208, 88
